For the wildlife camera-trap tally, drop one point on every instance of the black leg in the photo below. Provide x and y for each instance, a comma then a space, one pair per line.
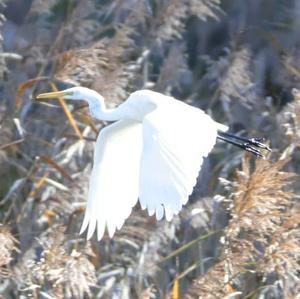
245, 146
257, 142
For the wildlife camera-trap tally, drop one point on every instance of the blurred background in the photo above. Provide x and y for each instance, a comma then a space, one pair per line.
238, 237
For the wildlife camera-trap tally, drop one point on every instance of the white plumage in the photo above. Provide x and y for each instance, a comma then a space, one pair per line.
114, 183
153, 152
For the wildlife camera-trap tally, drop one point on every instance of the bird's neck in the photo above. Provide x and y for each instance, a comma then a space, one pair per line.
98, 110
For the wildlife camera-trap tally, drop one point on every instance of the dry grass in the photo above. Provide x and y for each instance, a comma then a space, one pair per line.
8, 245
52, 267
260, 244
239, 235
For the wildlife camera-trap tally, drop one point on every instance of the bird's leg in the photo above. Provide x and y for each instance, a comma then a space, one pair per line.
245, 146
257, 142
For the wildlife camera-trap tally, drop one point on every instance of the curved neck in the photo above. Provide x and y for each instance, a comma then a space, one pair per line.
98, 109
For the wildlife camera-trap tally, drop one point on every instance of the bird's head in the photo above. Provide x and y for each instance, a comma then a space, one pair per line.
93, 98
73, 93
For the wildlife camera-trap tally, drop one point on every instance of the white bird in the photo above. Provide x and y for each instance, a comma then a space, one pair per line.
152, 153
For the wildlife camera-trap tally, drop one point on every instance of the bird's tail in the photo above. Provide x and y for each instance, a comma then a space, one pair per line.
222, 127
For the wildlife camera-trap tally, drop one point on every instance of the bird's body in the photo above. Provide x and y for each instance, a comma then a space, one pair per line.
152, 152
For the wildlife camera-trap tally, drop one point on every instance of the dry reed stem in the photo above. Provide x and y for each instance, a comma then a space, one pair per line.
260, 209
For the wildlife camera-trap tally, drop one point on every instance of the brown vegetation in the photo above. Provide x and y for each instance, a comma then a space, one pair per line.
238, 237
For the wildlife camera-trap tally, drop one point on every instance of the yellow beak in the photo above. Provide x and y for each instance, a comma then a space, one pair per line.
51, 95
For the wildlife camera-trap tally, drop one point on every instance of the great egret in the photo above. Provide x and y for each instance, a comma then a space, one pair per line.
153, 152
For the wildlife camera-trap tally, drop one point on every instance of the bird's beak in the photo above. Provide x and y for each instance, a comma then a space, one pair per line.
52, 95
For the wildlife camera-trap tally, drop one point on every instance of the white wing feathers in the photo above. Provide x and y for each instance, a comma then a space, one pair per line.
114, 181
157, 161
174, 144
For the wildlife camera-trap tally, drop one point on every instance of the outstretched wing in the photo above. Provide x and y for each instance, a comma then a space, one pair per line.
176, 138
114, 182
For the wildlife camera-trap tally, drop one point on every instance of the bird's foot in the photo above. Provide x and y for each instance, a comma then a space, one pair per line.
258, 143
252, 145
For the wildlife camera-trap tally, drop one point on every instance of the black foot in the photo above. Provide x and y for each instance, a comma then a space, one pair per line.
258, 143
248, 144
